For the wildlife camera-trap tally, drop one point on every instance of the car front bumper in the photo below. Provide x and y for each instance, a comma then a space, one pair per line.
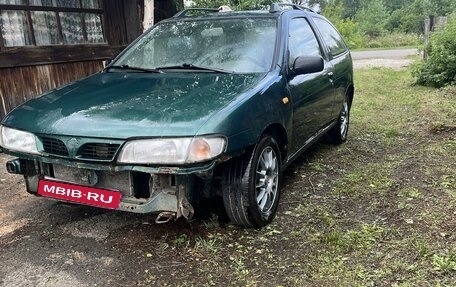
168, 191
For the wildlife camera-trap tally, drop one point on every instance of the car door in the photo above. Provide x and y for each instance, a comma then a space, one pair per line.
340, 58
312, 95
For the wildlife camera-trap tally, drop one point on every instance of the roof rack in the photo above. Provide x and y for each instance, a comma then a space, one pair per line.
276, 7
188, 11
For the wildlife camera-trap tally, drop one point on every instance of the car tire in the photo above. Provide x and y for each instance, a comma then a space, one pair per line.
338, 133
251, 185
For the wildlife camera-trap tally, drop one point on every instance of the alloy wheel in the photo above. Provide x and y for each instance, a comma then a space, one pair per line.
267, 179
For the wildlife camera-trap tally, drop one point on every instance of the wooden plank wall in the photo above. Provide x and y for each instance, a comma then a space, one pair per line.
114, 22
23, 83
165, 9
134, 14
43, 55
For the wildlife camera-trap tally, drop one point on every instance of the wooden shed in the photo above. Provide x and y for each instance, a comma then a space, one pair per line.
48, 43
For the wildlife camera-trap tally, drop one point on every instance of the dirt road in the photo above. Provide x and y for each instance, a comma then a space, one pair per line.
384, 54
45, 243
395, 58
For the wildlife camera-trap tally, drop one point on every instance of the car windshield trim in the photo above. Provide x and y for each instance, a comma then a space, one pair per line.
127, 67
187, 66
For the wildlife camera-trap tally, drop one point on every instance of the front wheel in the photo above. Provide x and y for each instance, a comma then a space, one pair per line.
338, 133
251, 185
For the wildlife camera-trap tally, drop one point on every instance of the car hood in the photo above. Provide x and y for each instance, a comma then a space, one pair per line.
124, 105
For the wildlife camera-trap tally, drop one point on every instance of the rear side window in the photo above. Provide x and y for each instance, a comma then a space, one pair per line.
331, 37
302, 40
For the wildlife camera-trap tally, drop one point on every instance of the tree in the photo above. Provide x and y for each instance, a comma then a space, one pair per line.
372, 18
351, 7
210, 3
251, 4
393, 5
234, 4
298, 2
438, 7
408, 19
334, 11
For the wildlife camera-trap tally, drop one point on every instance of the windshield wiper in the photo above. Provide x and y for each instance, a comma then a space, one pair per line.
127, 67
186, 66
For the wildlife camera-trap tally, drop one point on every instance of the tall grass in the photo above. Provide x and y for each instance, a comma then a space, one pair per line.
391, 40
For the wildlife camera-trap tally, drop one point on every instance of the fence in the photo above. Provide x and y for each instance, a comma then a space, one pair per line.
430, 24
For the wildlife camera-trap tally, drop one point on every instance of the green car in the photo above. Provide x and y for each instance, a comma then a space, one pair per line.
207, 103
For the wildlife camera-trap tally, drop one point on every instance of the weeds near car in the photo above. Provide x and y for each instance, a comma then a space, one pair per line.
444, 263
207, 245
376, 211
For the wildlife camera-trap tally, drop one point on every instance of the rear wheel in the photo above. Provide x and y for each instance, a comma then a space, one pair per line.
251, 185
338, 133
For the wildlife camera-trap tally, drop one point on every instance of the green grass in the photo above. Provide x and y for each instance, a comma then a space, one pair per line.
378, 210
395, 39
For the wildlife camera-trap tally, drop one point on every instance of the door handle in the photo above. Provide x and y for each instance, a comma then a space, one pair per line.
331, 78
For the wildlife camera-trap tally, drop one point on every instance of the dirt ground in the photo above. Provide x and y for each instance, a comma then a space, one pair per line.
396, 59
396, 64
376, 211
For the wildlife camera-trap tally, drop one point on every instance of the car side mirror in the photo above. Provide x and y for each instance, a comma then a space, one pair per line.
307, 65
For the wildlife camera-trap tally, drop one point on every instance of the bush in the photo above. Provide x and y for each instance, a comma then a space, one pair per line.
440, 68
372, 18
391, 40
233, 4
349, 30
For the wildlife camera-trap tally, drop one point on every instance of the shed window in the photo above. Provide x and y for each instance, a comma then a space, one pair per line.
50, 22
15, 31
45, 28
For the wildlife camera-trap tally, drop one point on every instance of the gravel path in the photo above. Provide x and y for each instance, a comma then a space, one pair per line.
395, 59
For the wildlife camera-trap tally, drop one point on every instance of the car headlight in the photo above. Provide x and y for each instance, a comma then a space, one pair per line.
16, 140
172, 150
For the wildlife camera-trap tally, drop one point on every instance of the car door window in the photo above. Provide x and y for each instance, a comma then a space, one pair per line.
302, 40
331, 37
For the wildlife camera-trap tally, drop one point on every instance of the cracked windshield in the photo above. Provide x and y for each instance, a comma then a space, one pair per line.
234, 45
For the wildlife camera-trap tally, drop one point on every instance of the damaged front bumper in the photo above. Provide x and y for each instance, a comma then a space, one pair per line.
167, 191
